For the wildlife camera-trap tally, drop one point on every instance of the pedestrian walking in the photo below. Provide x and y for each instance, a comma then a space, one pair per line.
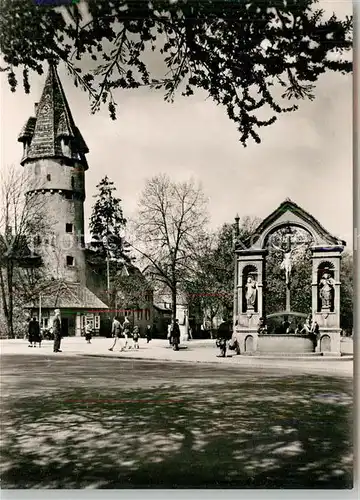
34, 332
175, 335
126, 328
190, 333
148, 333
88, 333
26, 328
115, 331
57, 330
39, 337
169, 333
136, 336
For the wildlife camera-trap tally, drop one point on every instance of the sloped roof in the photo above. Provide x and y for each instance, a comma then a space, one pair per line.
69, 296
28, 129
52, 122
289, 212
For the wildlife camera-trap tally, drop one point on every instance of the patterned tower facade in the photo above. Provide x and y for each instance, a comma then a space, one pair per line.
54, 159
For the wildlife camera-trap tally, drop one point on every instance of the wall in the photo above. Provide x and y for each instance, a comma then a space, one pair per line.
347, 346
58, 211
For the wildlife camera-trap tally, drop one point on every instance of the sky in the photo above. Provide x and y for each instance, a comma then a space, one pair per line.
305, 156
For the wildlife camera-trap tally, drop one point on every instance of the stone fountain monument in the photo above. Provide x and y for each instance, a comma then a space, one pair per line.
250, 274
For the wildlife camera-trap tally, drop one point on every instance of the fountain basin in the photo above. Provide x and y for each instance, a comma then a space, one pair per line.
289, 343
252, 342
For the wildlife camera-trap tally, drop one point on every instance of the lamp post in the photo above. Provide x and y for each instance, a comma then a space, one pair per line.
235, 238
40, 310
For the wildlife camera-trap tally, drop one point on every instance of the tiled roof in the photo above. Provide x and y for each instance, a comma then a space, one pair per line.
28, 129
53, 121
69, 296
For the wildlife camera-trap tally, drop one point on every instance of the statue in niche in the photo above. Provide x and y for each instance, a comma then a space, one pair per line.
251, 291
327, 286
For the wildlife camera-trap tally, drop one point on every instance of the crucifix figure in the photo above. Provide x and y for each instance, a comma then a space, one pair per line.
286, 264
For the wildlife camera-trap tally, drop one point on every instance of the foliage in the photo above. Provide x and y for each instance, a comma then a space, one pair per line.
210, 288
168, 230
132, 288
240, 52
347, 292
107, 223
21, 217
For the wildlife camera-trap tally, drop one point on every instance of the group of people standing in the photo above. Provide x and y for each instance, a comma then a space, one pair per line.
34, 332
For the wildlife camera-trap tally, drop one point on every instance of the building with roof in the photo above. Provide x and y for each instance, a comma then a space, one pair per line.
54, 156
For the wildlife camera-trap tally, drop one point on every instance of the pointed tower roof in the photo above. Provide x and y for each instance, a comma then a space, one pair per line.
53, 122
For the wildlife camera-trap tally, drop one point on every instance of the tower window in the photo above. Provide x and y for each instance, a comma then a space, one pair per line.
72, 182
68, 196
37, 169
69, 260
48, 177
69, 228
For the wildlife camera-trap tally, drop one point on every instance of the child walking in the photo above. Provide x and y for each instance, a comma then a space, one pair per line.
136, 336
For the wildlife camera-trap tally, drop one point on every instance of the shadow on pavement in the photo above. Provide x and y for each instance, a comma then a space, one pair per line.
257, 432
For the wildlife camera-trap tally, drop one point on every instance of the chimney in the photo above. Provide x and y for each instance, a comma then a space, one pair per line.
36, 107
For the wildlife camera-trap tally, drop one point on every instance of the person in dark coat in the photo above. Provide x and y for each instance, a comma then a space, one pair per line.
148, 333
175, 335
34, 332
57, 330
224, 334
315, 334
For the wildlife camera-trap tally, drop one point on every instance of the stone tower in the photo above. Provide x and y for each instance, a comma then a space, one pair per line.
54, 159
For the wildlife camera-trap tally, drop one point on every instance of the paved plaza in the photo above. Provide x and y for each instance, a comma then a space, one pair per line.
89, 418
199, 351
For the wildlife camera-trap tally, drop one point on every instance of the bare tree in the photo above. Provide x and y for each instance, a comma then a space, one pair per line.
169, 225
21, 217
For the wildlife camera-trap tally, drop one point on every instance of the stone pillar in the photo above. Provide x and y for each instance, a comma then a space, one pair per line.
78, 325
254, 260
248, 341
329, 321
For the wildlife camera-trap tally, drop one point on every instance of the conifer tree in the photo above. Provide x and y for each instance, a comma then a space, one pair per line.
107, 222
